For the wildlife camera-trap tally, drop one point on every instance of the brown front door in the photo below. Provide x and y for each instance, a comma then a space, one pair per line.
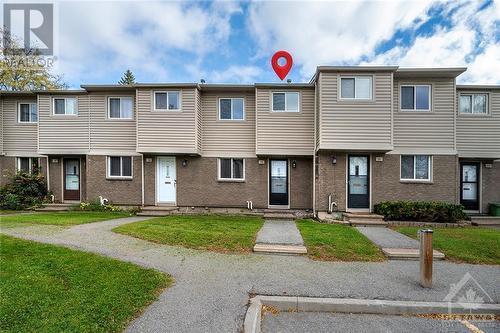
71, 179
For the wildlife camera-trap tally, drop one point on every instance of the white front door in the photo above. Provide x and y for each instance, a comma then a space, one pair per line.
166, 180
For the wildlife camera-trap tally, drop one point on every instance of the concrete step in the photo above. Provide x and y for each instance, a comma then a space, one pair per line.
408, 254
54, 208
363, 215
279, 215
367, 223
280, 249
485, 220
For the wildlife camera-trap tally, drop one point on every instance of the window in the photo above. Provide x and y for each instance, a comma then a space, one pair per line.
358, 87
119, 166
231, 169
473, 103
65, 106
28, 113
231, 109
416, 98
415, 167
28, 164
285, 102
120, 108
167, 101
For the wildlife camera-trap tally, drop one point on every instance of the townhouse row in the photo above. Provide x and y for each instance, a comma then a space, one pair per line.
346, 140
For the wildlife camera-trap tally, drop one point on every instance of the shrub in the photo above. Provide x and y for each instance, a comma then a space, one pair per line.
423, 211
25, 190
95, 206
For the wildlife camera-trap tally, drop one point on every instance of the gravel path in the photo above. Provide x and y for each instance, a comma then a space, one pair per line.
212, 290
388, 238
279, 232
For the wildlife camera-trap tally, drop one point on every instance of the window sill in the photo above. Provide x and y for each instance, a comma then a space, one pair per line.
120, 119
27, 123
415, 181
166, 110
119, 178
231, 180
414, 111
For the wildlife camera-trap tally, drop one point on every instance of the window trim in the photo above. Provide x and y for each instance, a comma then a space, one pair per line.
355, 99
166, 92
108, 167
415, 85
299, 96
232, 179
30, 168
65, 99
231, 98
412, 180
472, 114
19, 113
108, 113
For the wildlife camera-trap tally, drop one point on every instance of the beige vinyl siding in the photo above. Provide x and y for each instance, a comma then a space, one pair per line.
18, 138
426, 131
110, 134
285, 133
479, 136
351, 124
168, 132
228, 138
63, 134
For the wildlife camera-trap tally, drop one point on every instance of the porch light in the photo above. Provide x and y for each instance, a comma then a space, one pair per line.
334, 159
294, 164
184, 162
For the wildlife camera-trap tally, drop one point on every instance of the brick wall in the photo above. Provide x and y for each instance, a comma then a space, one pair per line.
491, 185
330, 179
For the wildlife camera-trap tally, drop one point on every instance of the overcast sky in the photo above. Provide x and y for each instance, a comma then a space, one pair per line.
234, 42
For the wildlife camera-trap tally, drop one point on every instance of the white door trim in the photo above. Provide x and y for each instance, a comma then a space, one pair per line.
370, 164
63, 167
157, 180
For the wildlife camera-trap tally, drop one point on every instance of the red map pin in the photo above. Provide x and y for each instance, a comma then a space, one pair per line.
282, 71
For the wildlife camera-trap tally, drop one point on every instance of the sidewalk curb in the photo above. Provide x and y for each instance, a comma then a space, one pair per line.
362, 306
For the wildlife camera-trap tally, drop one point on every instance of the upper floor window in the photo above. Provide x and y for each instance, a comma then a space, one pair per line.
231, 169
65, 106
27, 164
285, 102
416, 98
167, 101
120, 107
119, 167
416, 167
231, 109
473, 103
28, 113
357, 87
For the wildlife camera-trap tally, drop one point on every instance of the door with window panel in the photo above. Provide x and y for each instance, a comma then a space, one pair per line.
278, 182
71, 179
469, 185
358, 173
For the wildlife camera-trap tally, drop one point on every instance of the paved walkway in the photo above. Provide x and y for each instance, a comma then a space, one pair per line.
388, 238
279, 232
211, 291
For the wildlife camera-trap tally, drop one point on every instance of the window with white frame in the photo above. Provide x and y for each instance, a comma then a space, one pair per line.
473, 103
167, 100
231, 169
285, 102
27, 112
27, 164
120, 107
416, 97
356, 87
65, 106
416, 167
119, 167
231, 109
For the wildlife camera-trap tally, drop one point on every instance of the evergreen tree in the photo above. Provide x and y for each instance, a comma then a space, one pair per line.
127, 78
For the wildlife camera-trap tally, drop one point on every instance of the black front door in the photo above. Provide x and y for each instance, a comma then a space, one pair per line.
469, 185
278, 182
358, 182
72, 179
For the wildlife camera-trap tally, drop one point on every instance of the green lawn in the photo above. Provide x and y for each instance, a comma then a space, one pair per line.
337, 242
227, 234
46, 288
62, 218
472, 245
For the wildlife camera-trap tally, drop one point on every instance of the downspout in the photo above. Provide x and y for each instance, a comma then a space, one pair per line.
314, 148
142, 183
48, 172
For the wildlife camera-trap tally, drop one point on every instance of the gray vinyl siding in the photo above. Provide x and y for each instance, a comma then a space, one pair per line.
479, 136
228, 138
63, 134
426, 131
18, 138
285, 133
168, 132
355, 125
110, 134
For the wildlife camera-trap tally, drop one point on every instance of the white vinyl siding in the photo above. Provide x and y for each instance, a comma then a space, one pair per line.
65, 106
416, 167
473, 104
415, 98
120, 107
285, 102
356, 87
231, 109
27, 113
231, 169
119, 167
167, 101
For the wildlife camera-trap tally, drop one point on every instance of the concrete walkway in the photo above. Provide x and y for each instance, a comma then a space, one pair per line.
279, 232
211, 290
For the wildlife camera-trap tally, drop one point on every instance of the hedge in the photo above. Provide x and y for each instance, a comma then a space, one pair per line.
422, 211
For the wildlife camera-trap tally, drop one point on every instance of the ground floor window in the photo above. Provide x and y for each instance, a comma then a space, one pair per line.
28, 164
119, 167
416, 167
231, 169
